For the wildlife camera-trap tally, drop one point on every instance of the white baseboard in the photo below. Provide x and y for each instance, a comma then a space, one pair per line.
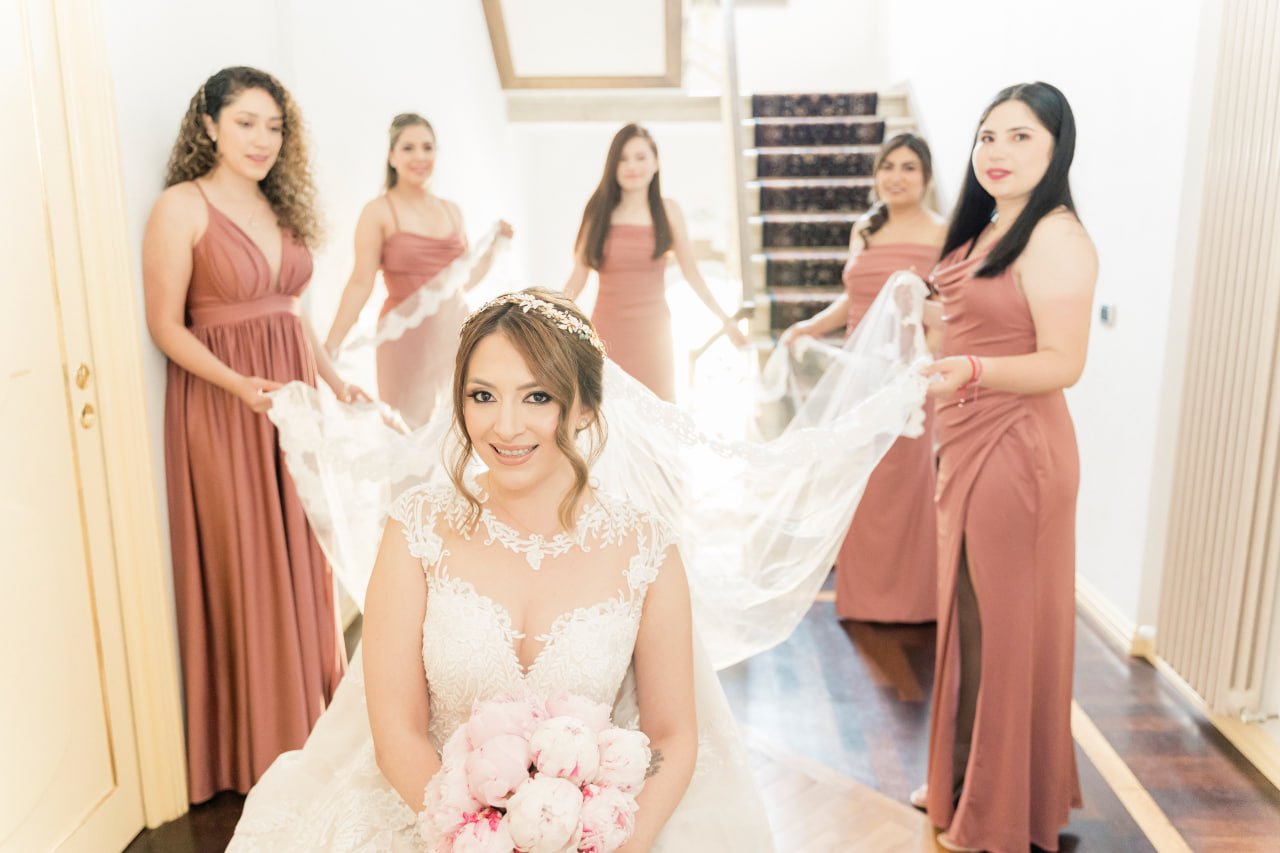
1115, 627
1257, 743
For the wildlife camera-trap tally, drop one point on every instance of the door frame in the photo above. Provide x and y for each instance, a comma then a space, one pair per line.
115, 345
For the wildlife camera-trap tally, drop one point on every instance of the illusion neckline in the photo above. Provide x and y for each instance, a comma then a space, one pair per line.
535, 546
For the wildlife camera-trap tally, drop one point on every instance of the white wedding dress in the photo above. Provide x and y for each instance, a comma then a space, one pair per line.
330, 795
758, 523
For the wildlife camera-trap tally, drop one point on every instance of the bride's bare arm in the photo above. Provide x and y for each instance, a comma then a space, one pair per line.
395, 683
664, 689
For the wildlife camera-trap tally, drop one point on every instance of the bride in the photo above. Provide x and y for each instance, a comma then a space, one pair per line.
520, 577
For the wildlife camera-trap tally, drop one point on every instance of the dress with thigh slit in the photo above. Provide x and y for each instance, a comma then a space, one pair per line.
1007, 482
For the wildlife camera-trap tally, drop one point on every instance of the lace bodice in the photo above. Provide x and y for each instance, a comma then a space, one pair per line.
469, 644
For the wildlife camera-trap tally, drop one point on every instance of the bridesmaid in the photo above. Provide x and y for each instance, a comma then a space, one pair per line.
887, 568
225, 257
412, 235
627, 229
1016, 281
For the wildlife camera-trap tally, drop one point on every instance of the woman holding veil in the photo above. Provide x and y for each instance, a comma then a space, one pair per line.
549, 538
418, 241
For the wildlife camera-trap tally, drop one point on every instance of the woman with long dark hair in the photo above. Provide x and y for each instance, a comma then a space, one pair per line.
1016, 283
626, 232
413, 236
225, 257
887, 568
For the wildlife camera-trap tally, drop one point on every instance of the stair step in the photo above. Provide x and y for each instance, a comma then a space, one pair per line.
819, 132
805, 273
814, 104
812, 149
787, 133
788, 218
847, 196
788, 308
770, 121
791, 165
803, 183
831, 234
822, 253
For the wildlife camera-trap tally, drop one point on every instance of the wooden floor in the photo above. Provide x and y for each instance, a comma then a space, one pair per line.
854, 698
814, 809
836, 722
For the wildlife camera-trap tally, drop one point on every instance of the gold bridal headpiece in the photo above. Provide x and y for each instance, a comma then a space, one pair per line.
559, 317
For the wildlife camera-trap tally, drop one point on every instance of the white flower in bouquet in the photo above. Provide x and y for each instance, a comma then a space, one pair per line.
595, 714
543, 815
496, 768
608, 819
486, 832
565, 747
515, 715
624, 759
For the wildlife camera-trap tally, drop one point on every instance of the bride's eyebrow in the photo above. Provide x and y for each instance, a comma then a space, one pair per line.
525, 387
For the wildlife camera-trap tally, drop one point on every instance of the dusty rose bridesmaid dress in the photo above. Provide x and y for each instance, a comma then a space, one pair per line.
414, 371
261, 648
887, 568
631, 314
1007, 484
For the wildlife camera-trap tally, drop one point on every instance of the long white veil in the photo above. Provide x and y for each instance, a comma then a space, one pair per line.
759, 520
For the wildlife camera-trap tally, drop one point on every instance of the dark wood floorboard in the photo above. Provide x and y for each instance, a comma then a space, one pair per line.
1215, 798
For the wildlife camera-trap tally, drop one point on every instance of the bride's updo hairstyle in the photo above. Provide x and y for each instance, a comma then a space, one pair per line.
563, 353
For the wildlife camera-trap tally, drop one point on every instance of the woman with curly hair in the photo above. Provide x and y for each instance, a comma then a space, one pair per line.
225, 257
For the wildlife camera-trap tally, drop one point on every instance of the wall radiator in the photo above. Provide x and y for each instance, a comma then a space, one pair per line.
1218, 602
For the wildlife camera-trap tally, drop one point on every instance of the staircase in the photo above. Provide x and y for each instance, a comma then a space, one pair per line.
812, 156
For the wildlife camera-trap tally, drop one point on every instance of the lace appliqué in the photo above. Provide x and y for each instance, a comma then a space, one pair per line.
469, 642
604, 522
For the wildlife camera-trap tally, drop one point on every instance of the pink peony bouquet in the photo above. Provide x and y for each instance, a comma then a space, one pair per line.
534, 776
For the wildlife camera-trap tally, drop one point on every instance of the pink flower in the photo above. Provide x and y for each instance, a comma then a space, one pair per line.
543, 815
608, 819
497, 768
456, 748
624, 759
448, 800
565, 747
486, 832
566, 704
514, 715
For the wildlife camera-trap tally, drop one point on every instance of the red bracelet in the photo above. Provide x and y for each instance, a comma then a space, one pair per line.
975, 365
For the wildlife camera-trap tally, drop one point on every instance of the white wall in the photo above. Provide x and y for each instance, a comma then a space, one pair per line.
351, 68
1128, 70
811, 46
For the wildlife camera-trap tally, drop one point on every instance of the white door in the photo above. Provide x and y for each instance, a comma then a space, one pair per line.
68, 760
